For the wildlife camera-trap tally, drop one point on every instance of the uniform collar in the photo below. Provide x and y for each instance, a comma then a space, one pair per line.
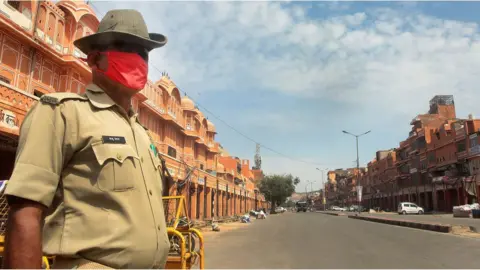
101, 100
98, 97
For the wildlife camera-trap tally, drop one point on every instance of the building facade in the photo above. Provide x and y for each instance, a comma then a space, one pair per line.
340, 189
436, 166
37, 56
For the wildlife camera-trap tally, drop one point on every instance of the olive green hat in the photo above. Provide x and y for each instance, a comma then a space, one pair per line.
125, 25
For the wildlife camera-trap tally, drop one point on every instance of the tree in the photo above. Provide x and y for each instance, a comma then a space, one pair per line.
277, 188
288, 203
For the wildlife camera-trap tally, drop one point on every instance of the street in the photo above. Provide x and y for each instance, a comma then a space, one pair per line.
314, 240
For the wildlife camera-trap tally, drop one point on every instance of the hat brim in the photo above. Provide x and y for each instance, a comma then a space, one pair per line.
86, 44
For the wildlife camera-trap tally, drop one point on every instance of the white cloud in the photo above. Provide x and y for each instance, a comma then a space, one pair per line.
382, 61
220, 45
355, 19
274, 45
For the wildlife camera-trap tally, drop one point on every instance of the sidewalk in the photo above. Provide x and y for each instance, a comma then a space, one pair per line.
446, 219
445, 223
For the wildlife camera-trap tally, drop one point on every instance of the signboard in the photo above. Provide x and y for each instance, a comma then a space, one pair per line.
475, 150
8, 119
324, 200
437, 179
201, 181
359, 193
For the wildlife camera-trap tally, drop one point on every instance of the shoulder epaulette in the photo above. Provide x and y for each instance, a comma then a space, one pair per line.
57, 98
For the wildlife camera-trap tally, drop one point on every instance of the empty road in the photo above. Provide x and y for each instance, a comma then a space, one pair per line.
314, 240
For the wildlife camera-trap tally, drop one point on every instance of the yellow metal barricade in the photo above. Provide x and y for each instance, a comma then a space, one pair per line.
186, 243
3, 225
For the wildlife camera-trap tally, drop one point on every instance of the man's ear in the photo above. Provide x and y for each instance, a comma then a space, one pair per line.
97, 60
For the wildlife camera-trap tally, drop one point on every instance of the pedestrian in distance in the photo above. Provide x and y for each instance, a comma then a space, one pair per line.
87, 182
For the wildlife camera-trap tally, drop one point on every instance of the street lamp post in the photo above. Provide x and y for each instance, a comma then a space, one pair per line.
306, 189
323, 171
358, 164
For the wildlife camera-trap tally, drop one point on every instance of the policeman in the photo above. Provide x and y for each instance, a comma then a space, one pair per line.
86, 164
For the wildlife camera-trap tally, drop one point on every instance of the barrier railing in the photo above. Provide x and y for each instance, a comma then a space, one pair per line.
186, 242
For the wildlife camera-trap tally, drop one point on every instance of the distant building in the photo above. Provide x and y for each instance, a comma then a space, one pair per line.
436, 166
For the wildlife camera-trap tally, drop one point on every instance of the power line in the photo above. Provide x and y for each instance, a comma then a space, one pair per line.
224, 122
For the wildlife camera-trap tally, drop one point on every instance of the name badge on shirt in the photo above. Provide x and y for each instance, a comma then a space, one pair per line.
114, 139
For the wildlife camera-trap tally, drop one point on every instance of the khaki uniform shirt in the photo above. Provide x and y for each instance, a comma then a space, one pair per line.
91, 163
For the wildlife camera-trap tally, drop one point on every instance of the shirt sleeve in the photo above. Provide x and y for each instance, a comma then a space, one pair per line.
40, 155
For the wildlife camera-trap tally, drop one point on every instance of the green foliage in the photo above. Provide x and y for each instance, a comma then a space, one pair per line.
277, 188
288, 204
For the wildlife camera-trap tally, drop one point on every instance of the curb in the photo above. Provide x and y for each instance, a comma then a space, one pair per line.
443, 228
331, 214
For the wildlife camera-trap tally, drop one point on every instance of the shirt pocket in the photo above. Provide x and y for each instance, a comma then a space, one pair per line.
118, 167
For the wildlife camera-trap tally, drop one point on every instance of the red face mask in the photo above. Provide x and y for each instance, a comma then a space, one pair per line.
128, 69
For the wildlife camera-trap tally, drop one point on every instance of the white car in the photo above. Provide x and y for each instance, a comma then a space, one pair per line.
280, 210
336, 208
409, 208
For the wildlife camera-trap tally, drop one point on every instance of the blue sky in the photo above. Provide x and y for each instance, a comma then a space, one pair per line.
292, 75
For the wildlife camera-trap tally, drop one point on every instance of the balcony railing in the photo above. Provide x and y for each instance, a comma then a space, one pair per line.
78, 54
172, 114
155, 107
24, 20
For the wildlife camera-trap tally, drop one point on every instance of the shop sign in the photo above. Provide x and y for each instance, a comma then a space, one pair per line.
201, 181
437, 179
475, 150
8, 118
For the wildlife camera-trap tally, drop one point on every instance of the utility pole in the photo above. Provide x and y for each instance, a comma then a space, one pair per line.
358, 165
306, 190
323, 171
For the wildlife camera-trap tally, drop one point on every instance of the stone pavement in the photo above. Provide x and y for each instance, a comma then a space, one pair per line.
312, 240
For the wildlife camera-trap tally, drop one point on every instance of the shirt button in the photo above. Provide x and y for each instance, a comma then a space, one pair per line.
150, 191
119, 156
141, 159
159, 228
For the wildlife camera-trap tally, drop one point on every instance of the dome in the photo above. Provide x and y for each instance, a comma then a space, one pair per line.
211, 127
166, 83
187, 104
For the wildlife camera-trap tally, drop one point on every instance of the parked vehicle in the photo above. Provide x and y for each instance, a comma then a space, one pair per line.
280, 210
356, 208
301, 206
336, 208
409, 208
